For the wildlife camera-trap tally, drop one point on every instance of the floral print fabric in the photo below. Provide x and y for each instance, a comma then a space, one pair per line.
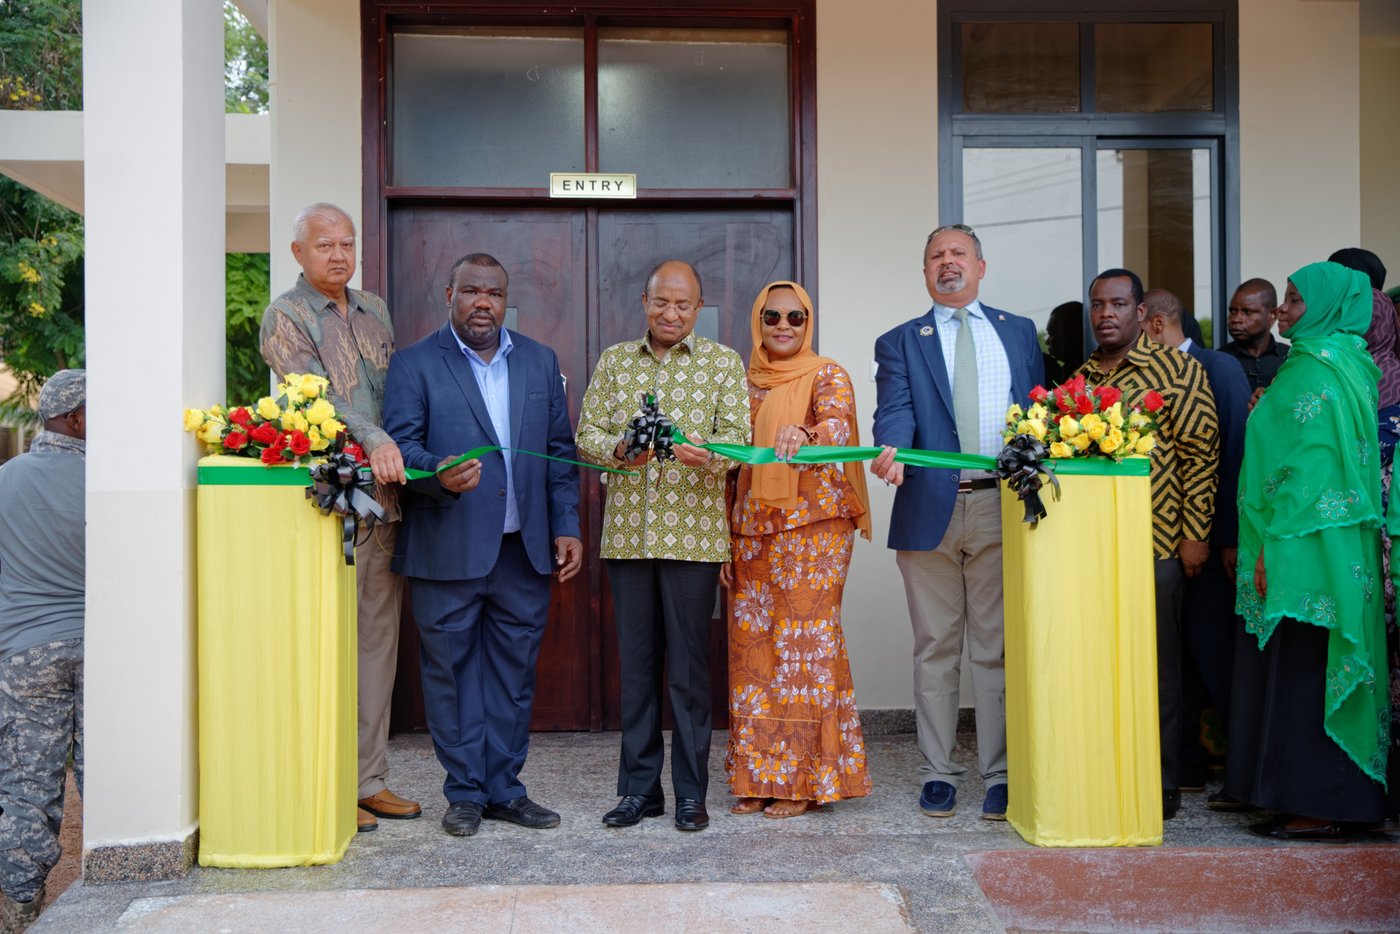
794, 731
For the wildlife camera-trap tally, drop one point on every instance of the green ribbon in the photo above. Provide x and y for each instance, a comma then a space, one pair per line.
414, 474
828, 454
243, 475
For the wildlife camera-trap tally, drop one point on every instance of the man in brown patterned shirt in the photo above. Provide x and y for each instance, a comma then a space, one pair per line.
1183, 475
665, 535
321, 326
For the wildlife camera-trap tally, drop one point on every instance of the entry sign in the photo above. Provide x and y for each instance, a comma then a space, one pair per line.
592, 185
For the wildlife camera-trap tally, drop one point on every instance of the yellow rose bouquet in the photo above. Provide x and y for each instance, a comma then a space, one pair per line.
294, 426
1074, 420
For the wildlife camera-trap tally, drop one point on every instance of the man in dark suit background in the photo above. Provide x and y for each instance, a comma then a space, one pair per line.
943, 383
1208, 599
478, 558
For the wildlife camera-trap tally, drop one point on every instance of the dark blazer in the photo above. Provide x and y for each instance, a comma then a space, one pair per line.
433, 409
1230, 387
914, 409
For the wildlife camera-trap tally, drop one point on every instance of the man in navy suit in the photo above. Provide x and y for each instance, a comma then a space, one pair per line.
478, 557
1208, 599
943, 383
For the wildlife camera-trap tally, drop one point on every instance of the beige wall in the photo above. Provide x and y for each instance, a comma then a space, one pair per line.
1380, 150
315, 106
877, 194
1300, 118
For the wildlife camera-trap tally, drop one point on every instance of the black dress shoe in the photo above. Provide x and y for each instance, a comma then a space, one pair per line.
522, 811
462, 819
1171, 803
691, 814
632, 808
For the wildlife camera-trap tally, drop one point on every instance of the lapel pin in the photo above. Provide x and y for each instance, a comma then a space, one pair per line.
1001, 317
925, 331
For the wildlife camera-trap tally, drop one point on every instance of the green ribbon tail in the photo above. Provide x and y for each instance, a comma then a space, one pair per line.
414, 474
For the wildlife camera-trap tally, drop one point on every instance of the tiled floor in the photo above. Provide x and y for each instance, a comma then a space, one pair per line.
935, 864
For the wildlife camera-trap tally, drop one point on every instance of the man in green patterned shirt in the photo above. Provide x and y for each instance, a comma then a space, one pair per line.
324, 327
1183, 465
665, 536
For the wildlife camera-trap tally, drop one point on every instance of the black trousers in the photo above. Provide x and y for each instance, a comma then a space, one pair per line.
663, 611
1169, 578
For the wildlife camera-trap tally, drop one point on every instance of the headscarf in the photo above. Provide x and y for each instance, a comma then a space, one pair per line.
1310, 498
789, 384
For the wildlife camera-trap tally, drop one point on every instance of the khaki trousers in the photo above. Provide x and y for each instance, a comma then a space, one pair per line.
956, 589
380, 594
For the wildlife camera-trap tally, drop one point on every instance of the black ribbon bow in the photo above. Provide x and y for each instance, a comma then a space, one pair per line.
1022, 463
649, 430
341, 486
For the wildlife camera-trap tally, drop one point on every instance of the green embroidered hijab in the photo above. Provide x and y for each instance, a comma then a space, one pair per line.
1310, 497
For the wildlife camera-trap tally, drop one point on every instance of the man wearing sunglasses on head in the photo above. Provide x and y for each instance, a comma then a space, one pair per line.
943, 383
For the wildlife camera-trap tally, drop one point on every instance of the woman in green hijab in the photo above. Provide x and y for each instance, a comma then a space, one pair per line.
1310, 730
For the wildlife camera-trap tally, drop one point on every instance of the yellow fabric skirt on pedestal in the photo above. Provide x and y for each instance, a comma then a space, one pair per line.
1083, 754
277, 670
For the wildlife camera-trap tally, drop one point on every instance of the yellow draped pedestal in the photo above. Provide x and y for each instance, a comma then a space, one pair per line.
1083, 755
277, 716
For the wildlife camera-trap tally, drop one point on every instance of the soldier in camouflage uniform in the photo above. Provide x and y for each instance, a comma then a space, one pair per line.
42, 587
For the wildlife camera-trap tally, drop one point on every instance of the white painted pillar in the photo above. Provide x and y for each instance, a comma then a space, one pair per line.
314, 101
154, 180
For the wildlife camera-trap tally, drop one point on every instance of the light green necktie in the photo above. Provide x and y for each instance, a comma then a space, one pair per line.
966, 416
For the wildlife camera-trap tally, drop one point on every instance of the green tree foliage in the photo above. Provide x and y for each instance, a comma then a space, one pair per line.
247, 279
245, 64
41, 243
41, 54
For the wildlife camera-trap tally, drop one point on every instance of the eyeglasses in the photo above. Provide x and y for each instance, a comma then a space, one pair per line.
961, 228
796, 318
660, 305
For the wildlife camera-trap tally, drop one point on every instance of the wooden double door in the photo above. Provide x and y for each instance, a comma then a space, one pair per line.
576, 280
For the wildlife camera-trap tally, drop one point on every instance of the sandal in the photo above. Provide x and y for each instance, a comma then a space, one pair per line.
780, 809
749, 805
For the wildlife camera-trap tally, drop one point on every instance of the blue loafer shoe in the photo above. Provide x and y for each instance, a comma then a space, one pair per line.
939, 799
994, 804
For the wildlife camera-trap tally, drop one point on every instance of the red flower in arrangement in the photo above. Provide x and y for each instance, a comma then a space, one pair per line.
1108, 395
1076, 385
1083, 403
264, 433
235, 441
1039, 394
272, 456
357, 452
1153, 400
1062, 400
241, 417
299, 443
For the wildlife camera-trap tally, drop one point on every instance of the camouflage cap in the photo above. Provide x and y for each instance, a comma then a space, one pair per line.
65, 391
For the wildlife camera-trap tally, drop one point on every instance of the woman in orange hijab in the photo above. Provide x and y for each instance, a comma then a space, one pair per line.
794, 733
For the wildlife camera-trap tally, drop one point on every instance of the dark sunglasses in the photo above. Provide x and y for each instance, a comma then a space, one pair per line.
795, 318
959, 227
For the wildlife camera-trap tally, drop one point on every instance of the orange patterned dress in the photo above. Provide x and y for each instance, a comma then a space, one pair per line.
794, 732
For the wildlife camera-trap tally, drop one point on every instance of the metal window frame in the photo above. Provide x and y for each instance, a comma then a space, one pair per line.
1091, 130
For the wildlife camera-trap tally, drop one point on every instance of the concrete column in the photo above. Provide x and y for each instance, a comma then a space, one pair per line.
154, 180
314, 60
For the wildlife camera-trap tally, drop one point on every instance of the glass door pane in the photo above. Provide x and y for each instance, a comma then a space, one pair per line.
486, 107
1026, 206
1155, 218
695, 108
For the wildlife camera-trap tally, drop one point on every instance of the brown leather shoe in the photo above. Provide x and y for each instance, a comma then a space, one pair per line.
364, 821
390, 806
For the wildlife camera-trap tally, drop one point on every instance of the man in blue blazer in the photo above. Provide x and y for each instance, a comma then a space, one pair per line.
1208, 619
479, 551
943, 383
